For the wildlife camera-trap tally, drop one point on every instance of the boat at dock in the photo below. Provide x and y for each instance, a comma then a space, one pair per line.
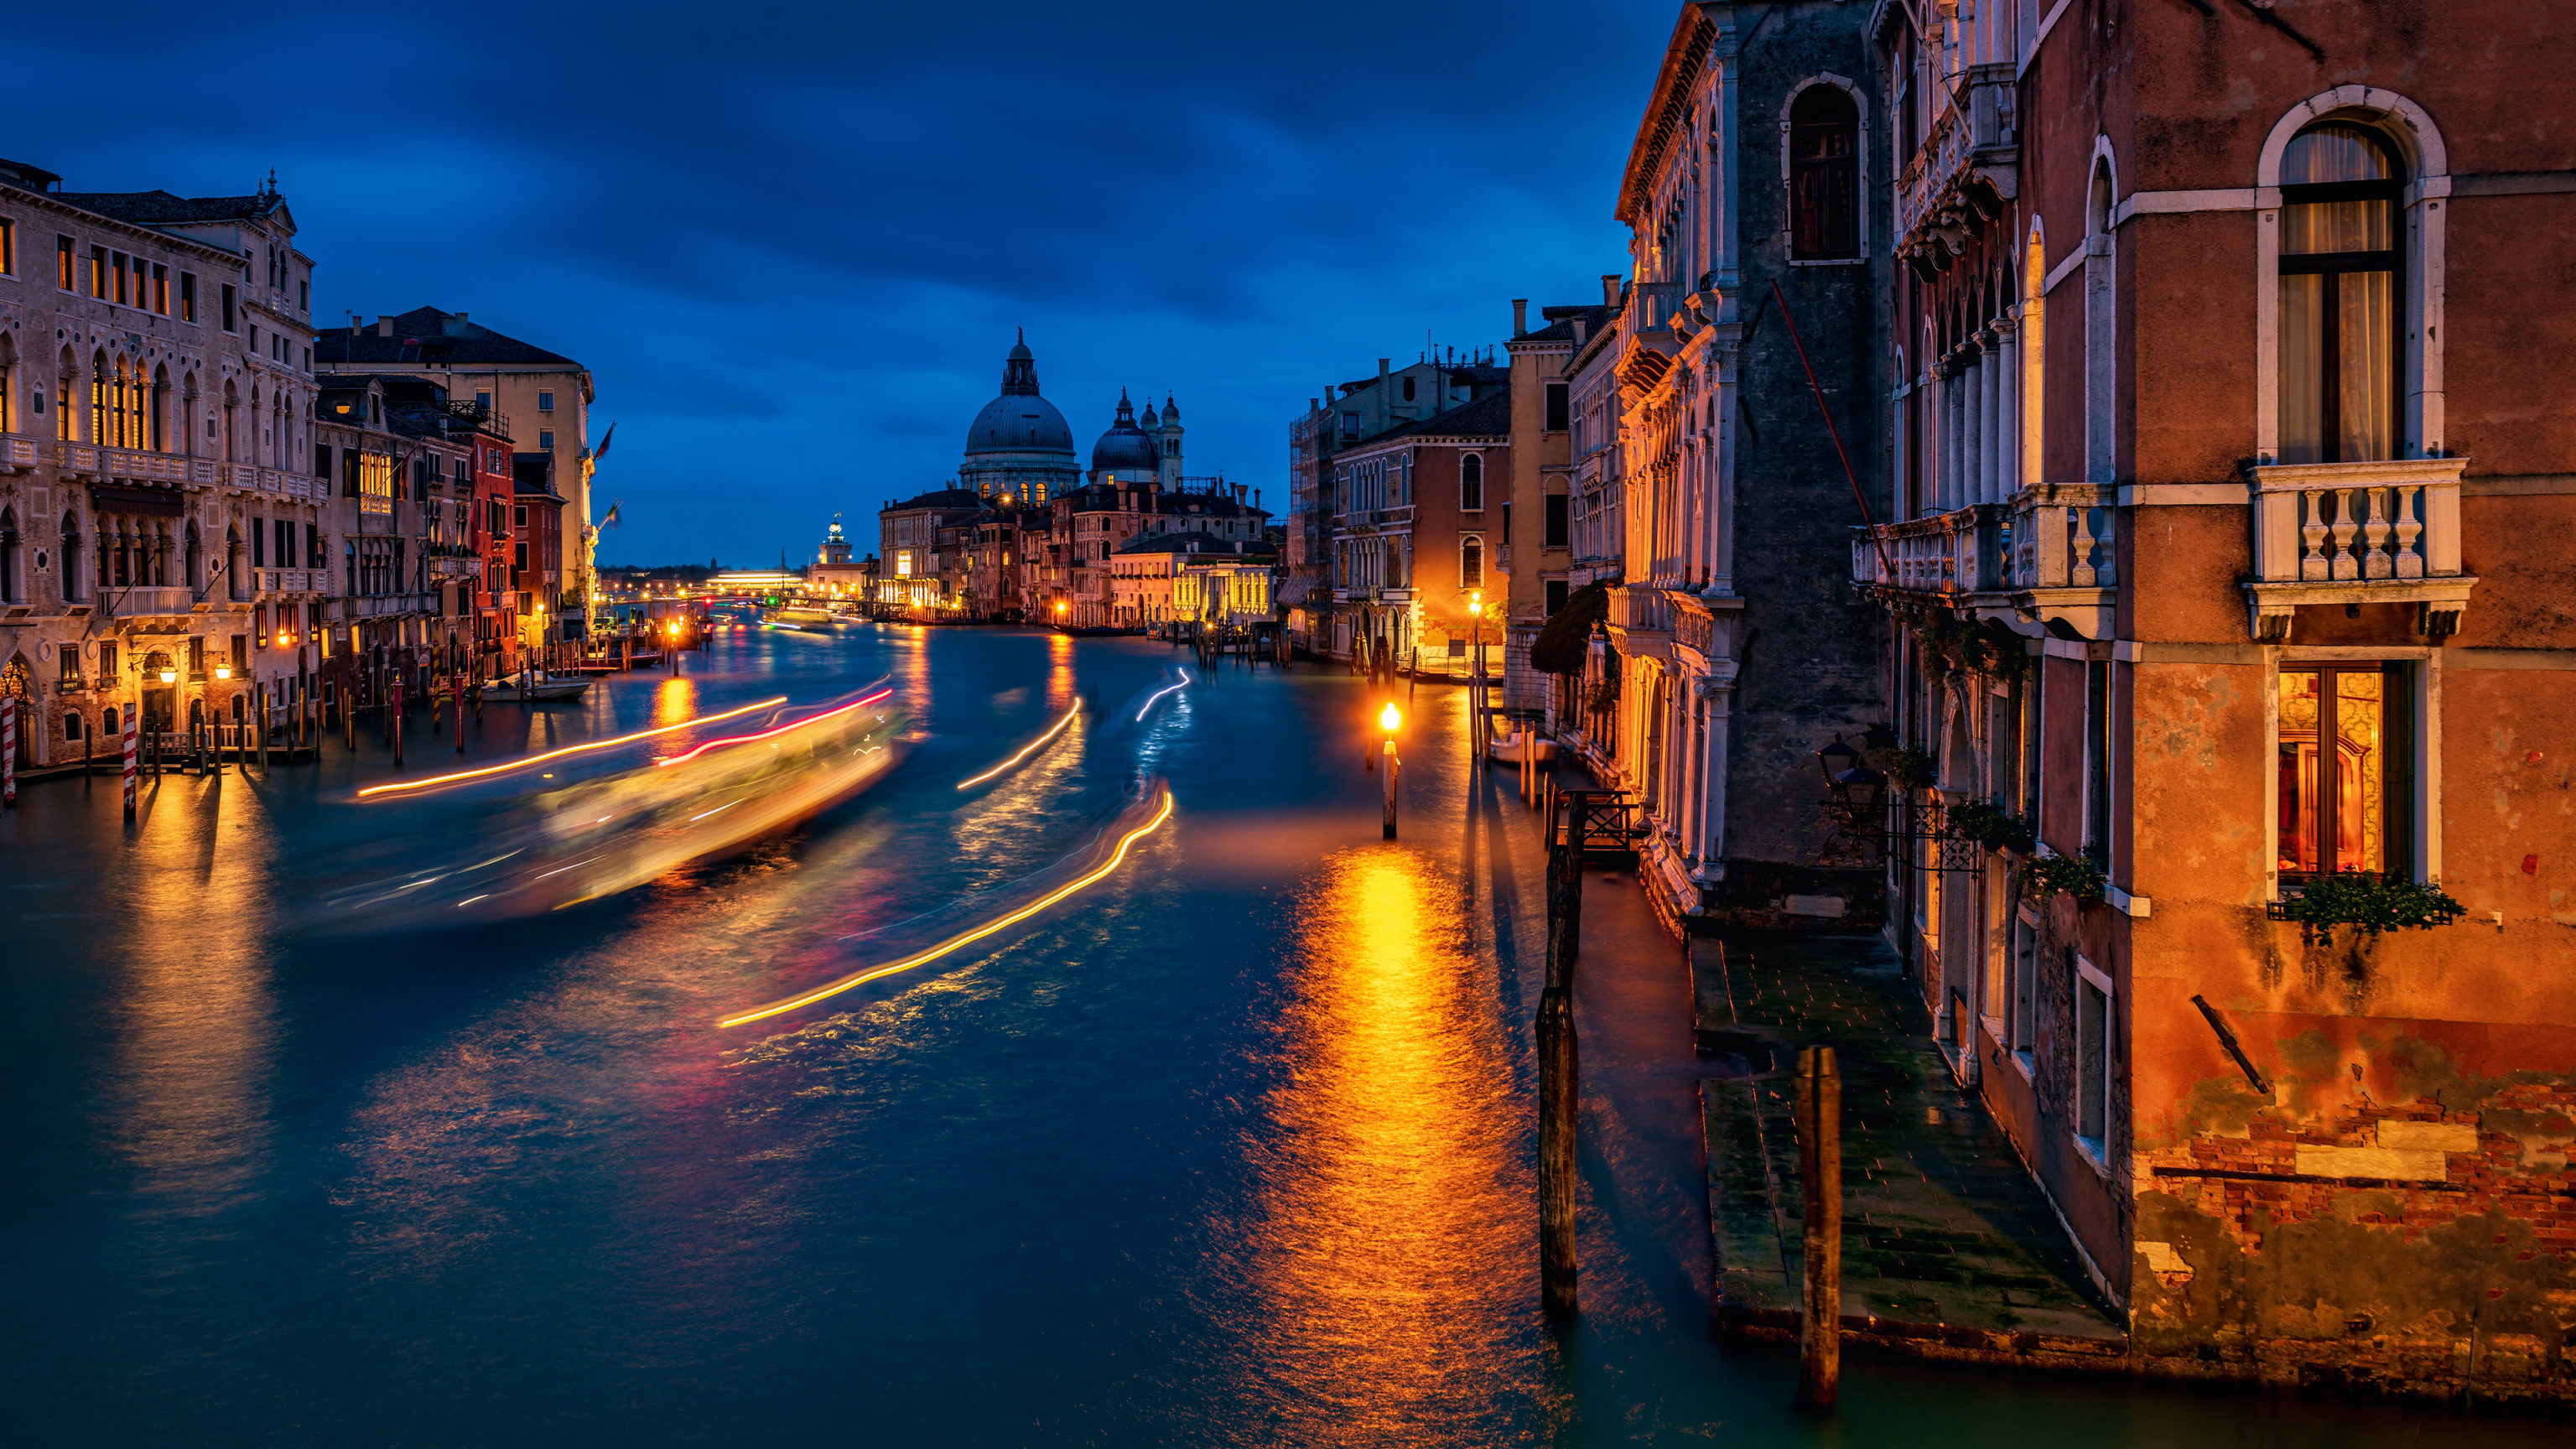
538, 688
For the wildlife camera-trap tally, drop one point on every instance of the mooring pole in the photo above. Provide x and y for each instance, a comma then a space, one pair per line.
397, 709
1559, 1079
1820, 1182
129, 756
1392, 765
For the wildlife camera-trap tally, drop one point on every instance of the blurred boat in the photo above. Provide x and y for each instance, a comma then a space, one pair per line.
538, 688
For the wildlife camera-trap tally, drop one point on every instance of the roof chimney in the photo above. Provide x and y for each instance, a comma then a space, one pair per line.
384, 327
1579, 328
1381, 368
1520, 316
1610, 289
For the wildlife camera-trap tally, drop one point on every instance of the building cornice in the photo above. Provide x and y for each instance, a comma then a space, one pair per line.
1684, 54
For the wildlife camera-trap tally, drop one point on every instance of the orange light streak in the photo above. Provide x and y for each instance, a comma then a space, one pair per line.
979, 933
773, 734
1026, 751
566, 750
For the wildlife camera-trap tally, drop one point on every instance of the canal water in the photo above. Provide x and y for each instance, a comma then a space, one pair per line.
1233, 1147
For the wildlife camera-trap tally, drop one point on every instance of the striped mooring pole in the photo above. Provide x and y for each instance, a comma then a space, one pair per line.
8, 749
132, 747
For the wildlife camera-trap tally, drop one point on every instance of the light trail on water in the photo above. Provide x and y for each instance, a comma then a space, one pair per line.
967, 938
503, 769
1026, 750
1158, 694
669, 760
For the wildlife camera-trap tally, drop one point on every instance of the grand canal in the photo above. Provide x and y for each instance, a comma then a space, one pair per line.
1232, 1148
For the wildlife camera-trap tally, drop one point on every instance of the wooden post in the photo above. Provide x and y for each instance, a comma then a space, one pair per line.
395, 708
1559, 1081
1564, 892
1820, 1180
1392, 765
348, 715
260, 695
456, 682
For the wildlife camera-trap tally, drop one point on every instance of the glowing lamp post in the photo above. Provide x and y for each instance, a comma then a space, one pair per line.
1387, 720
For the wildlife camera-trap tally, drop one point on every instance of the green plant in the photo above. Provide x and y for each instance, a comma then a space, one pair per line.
2046, 875
1993, 827
2373, 903
1911, 769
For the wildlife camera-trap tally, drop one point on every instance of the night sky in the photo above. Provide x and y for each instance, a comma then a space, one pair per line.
792, 241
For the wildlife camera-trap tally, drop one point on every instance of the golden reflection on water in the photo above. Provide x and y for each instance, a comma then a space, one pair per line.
675, 700
194, 1017
1395, 1226
1060, 681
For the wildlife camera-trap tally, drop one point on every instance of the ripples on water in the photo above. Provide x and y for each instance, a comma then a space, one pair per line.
1233, 1149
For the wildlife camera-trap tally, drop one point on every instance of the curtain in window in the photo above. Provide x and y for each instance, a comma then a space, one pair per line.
2338, 319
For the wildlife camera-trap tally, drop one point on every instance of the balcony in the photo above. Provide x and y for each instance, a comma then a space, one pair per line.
2064, 565
141, 600
2048, 555
88, 460
17, 454
1641, 621
2357, 533
272, 583
1961, 176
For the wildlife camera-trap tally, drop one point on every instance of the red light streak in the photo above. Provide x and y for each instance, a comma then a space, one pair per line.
567, 750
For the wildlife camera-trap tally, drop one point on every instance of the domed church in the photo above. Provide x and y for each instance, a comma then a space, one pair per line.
1019, 446
1140, 449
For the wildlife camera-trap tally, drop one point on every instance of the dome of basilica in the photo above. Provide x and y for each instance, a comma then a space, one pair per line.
1125, 447
1019, 421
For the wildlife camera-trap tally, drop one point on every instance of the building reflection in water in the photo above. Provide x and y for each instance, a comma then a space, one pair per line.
1395, 1223
193, 1017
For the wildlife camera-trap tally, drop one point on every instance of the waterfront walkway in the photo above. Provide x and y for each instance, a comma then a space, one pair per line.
1949, 1249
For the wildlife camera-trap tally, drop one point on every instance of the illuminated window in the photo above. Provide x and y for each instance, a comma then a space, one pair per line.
2339, 256
8, 246
98, 273
187, 296
63, 262
2345, 778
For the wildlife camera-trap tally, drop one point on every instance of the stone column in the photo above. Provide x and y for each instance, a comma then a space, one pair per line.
2007, 432
1716, 691
1972, 432
1998, 383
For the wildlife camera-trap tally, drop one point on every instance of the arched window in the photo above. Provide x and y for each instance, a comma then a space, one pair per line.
1824, 175
102, 415
2340, 189
1471, 562
235, 585
71, 556
1471, 483
13, 582
2101, 294
157, 438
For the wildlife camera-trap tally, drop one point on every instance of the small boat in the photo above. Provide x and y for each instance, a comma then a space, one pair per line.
1507, 747
538, 688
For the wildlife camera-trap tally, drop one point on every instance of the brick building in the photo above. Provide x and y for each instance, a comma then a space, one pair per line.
2229, 443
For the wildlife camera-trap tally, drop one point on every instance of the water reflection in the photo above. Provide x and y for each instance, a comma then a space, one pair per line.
193, 1019
1390, 1251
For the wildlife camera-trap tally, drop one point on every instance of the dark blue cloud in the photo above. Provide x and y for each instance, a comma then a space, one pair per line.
792, 241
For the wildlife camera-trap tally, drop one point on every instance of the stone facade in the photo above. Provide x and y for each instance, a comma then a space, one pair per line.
155, 443
1739, 646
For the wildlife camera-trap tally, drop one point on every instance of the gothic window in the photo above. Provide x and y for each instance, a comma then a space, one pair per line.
1471, 562
1824, 175
2340, 189
1471, 483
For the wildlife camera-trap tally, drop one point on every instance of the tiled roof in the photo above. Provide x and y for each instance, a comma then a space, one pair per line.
1208, 545
149, 208
1560, 327
428, 335
939, 498
1487, 416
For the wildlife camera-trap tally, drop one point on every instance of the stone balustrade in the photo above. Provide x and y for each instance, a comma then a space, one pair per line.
2357, 533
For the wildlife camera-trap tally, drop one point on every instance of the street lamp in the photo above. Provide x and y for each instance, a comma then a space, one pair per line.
1387, 719
169, 676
